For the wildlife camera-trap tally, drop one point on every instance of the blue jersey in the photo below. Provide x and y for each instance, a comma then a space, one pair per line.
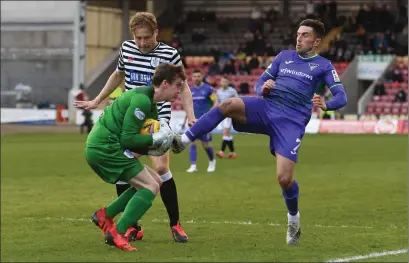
297, 79
203, 98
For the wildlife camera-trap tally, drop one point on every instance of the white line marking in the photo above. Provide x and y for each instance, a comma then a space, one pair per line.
372, 255
227, 222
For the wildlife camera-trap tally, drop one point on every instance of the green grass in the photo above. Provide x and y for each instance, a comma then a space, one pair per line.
353, 201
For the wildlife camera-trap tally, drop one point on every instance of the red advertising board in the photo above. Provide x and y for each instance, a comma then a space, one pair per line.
359, 126
403, 127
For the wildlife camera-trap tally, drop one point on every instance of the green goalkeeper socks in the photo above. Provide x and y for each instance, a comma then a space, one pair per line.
135, 209
119, 204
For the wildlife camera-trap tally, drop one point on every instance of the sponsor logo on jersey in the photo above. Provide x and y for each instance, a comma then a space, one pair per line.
335, 75
140, 77
296, 73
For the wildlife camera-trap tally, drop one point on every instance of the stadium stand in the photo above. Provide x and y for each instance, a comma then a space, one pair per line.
248, 40
390, 94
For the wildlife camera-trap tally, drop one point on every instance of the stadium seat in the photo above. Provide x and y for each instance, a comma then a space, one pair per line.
395, 85
387, 85
396, 109
387, 110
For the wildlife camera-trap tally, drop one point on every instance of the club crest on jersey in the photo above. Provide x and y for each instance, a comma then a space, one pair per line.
155, 61
139, 114
313, 66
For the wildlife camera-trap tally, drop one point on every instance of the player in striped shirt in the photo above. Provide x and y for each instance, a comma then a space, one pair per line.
224, 92
137, 61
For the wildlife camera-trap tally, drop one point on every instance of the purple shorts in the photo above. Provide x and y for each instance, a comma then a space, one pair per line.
206, 138
285, 131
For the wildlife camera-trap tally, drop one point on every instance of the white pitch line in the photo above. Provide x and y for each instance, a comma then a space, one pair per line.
227, 222
372, 255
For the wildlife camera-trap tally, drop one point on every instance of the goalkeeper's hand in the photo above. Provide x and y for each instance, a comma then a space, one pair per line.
162, 141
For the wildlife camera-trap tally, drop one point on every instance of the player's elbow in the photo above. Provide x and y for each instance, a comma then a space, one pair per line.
126, 142
343, 98
119, 75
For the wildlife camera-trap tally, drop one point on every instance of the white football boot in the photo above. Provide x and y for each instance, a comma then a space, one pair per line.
294, 229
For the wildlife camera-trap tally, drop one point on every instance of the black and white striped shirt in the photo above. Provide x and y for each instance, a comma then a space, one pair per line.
139, 68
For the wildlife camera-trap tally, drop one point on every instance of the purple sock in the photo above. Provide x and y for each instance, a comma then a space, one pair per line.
291, 198
192, 154
210, 154
205, 124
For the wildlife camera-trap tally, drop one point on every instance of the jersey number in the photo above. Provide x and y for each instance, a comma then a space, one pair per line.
294, 151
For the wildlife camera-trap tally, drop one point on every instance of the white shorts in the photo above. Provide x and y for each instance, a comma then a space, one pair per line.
226, 123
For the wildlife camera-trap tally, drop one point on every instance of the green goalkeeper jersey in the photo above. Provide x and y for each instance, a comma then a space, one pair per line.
122, 121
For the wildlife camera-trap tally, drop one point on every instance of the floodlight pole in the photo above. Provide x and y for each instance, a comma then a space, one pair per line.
78, 59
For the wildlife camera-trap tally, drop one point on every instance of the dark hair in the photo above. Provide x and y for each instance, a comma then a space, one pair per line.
317, 26
196, 70
167, 72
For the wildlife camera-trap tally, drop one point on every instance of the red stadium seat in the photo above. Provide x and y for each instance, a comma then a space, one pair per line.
387, 85
395, 85
404, 110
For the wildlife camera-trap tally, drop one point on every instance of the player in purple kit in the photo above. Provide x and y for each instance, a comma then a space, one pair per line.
288, 87
204, 99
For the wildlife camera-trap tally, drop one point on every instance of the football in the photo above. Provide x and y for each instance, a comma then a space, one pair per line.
150, 126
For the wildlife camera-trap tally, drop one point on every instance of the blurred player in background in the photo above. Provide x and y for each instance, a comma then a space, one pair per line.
288, 87
203, 100
110, 145
225, 92
137, 61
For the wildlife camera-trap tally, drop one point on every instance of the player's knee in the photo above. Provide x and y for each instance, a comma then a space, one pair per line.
154, 187
161, 169
284, 179
229, 106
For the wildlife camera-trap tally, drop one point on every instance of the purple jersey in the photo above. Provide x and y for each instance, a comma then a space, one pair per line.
297, 79
202, 99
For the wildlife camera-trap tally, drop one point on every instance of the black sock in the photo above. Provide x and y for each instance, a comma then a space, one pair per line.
231, 146
170, 199
120, 188
224, 144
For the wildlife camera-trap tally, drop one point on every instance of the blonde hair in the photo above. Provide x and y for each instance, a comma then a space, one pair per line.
145, 20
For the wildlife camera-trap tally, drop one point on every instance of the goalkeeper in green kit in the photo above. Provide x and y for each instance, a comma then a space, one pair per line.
112, 141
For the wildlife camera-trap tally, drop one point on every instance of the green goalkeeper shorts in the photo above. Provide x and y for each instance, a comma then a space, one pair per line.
110, 161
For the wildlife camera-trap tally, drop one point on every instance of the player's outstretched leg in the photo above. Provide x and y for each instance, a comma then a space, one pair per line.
136, 204
135, 232
192, 158
290, 190
203, 126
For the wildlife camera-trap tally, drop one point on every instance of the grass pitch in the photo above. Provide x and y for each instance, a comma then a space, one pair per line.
353, 201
